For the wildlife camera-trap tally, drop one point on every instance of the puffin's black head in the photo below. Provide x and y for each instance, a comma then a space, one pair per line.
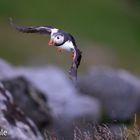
59, 37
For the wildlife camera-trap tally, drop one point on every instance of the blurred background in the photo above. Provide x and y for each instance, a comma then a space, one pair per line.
107, 32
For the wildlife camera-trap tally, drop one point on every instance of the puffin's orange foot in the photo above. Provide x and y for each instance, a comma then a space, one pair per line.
59, 50
73, 56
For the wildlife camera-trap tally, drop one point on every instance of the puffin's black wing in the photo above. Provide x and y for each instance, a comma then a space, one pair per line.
32, 29
75, 64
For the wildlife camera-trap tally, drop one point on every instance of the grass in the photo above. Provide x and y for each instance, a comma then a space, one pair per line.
102, 132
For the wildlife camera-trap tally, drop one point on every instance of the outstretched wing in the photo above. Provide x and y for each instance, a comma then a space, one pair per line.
32, 29
75, 64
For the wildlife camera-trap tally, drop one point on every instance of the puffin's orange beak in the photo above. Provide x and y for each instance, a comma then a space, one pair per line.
51, 42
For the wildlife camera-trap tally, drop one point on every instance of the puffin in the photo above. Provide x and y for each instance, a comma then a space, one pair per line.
60, 39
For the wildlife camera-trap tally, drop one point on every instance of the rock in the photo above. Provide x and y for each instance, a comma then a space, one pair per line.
66, 104
118, 91
30, 100
13, 120
63, 97
6, 69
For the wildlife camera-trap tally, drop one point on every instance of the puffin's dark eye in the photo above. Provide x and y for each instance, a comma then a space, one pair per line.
58, 37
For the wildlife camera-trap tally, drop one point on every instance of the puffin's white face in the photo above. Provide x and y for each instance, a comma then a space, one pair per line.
58, 39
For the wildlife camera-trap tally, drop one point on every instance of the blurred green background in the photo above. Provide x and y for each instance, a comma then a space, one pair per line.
107, 31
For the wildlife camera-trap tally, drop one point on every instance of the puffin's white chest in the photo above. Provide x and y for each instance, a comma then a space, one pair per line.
68, 45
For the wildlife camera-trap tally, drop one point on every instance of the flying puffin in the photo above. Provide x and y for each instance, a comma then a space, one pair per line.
59, 38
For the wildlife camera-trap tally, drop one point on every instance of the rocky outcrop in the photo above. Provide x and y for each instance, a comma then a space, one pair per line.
30, 100
118, 91
13, 121
51, 97
54, 104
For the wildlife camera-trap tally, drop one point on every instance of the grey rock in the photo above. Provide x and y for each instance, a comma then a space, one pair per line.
6, 69
66, 104
30, 100
63, 98
118, 91
14, 121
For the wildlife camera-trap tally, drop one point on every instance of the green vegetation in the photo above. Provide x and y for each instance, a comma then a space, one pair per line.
111, 23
